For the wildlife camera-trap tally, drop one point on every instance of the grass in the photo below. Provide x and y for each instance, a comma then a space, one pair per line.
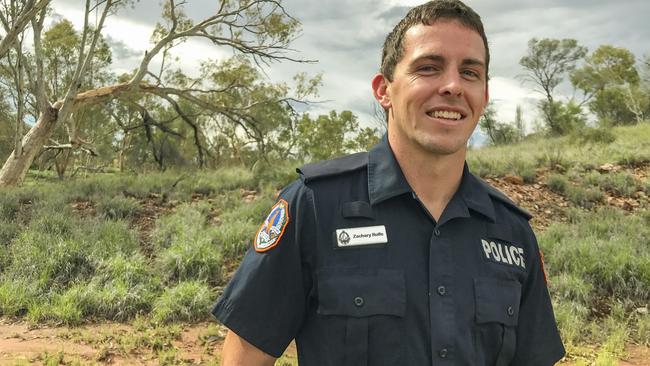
188, 301
59, 265
117, 208
600, 273
630, 146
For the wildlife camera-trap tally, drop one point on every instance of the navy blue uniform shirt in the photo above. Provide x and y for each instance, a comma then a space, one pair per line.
351, 265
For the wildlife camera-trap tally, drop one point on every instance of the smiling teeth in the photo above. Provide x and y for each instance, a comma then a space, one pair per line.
445, 115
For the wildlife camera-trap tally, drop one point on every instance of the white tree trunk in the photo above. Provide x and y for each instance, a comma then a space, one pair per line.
15, 168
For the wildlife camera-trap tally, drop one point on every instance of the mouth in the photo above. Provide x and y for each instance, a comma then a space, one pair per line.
446, 115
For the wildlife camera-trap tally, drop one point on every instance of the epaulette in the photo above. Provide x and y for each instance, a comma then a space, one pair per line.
495, 193
328, 168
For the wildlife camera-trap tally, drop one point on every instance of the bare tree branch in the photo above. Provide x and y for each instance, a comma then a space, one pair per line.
14, 28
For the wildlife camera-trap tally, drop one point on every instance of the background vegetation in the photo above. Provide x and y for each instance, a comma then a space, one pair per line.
132, 197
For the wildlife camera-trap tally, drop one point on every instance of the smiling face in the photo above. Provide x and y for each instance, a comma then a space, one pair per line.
438, 91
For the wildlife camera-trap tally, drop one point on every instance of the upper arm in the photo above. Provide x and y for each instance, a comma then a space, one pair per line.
266, 300
238, 352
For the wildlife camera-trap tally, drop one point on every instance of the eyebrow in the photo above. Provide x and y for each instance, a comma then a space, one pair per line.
441, 59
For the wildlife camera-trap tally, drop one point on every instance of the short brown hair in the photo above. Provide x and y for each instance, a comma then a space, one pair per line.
428, 14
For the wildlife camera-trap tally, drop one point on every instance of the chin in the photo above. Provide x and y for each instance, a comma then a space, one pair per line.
437, 147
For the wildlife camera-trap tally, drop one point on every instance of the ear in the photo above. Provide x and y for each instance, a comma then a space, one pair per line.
380, 89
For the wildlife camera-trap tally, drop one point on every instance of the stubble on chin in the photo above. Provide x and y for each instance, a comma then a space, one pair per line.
437, 145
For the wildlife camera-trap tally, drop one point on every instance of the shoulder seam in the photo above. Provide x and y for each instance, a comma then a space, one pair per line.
501, 197
333, 167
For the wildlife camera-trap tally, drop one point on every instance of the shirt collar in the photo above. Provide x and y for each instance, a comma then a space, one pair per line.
385, 177
386, 180
475, 194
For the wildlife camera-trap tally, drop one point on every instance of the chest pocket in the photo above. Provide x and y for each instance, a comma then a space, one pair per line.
497, 315
367, 306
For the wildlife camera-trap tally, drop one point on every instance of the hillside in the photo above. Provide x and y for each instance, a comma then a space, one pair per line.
123, 268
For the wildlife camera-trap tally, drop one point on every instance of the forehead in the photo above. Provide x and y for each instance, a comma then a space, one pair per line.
448, 38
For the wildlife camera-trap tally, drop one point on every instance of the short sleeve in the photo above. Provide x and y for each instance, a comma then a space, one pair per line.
265, 301
538, 338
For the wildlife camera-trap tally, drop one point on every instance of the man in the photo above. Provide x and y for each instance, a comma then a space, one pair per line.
400, 256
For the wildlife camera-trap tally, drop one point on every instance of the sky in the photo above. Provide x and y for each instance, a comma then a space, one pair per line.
345, 37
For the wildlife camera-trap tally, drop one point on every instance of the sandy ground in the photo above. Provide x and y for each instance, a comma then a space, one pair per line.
119, 344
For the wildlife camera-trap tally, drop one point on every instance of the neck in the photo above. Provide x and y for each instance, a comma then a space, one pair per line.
434, 178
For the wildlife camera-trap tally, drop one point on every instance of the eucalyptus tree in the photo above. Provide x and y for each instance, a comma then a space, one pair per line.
611, 82
547, 64
258, 30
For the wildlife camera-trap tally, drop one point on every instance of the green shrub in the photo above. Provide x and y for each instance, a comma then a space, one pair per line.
108, 238
51, 262
8, 231
118, 207
235, 239
59, 223
15, 297
606, 249
122, 288
601, 135
188, 301
276, 175
642, 334
621, 183
593, 179
191, 258
85, 189
184, 224
571, 317
557, 183
584, 197
9, 205
571, 287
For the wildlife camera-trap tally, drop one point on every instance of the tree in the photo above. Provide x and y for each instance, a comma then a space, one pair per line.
331, 135
610, 81
519, 123
547, 63
568, 117
260, 30
497, 132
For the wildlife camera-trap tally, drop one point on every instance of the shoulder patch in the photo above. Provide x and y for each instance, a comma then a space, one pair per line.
498, 195
269, 234
328, 168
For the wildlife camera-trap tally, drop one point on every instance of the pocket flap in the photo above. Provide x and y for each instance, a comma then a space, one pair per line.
358, 293
497, 301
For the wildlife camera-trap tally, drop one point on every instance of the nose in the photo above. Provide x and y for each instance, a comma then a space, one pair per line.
451, 84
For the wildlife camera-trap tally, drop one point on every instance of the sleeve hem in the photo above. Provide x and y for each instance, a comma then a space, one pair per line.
222, 311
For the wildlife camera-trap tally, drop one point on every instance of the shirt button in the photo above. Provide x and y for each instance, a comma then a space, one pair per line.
358, 301
443, 353
511, 311
436, 232
442, 290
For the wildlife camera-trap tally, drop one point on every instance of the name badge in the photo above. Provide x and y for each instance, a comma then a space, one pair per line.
360, 236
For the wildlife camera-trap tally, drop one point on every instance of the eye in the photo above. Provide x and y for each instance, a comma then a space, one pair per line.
471, 74
427, 69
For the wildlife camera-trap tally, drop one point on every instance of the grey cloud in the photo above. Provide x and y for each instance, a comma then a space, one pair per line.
120, 49
346, 36
394, 14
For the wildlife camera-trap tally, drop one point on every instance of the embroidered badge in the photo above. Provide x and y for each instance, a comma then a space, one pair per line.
504, 253
269, 234
359, 236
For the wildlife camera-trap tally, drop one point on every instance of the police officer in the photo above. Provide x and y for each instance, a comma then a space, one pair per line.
399, 256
